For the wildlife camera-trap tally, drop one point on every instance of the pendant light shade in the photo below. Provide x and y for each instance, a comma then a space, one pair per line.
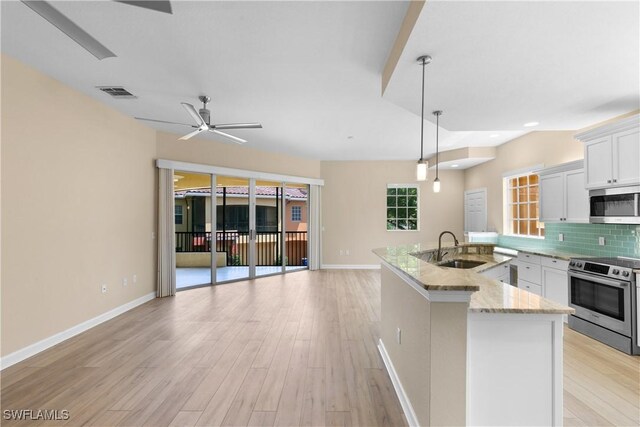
436, 185
422, 168
436, 182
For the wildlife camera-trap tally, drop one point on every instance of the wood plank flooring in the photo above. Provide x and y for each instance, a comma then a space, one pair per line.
293, 350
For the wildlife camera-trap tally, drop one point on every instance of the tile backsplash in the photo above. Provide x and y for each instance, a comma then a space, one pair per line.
620, 240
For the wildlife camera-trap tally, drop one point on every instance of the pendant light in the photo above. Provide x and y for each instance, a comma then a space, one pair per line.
423, 166
436, 182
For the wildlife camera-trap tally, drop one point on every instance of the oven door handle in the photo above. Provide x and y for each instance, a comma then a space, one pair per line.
602, 280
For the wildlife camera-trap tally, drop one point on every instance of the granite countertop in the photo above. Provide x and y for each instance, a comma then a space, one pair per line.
489, 296
552, 253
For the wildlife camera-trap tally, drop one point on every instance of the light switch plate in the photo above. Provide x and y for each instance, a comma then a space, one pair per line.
561, 237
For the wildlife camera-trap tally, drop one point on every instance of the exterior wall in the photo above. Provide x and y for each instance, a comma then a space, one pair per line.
65, 173
296, 225
354, 208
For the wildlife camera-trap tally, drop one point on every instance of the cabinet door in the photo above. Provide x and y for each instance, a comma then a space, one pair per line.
626, 157
576, 197
555, 285
552, 197
598, 163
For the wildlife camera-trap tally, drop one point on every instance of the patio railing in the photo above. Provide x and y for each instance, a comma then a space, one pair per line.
236, 246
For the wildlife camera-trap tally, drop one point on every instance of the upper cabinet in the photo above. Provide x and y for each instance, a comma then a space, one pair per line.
612, 154
563, 197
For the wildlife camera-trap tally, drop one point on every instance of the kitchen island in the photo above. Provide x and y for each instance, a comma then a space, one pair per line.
464, 349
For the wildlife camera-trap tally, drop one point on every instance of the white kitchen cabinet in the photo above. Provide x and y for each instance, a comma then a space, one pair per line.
552, 197
612, 154
563, 196
626, 157
501, 272
544, 276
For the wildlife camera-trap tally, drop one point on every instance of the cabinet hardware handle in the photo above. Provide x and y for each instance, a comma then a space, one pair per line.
615, 180
609, 181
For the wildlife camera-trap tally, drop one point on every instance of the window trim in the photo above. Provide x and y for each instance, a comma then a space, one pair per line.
412, 185
508, 203
299, 210
175, 215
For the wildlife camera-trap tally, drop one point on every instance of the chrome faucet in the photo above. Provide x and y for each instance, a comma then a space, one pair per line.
439, 253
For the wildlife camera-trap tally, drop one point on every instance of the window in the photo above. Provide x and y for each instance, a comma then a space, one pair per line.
402, 207
522, 201
296, 213
178, 214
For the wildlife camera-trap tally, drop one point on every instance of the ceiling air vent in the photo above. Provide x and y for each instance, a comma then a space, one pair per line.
117, 92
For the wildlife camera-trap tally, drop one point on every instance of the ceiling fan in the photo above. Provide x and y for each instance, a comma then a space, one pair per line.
80, 36
202, 118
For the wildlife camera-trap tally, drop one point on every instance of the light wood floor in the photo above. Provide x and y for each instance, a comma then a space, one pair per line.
289, 350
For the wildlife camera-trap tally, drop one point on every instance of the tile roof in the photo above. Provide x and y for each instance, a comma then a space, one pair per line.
292, 193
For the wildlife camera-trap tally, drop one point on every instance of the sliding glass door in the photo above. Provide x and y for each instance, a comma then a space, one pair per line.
192, 219
231, 228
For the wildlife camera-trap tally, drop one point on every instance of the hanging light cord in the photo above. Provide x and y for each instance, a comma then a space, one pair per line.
437, 138
424, 63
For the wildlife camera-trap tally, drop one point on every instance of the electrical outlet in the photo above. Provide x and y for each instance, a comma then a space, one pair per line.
103, 288
153, 235
561, 237
124, 281
399, 336
341, 252
346, 252
601, 241
135, 279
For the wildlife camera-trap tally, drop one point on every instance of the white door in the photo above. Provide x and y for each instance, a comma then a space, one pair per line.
576, 196
597, 163
475, 210
626, 157
552, 197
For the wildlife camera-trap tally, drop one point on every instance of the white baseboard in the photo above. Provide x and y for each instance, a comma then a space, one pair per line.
350, 267
33, 349
397, 385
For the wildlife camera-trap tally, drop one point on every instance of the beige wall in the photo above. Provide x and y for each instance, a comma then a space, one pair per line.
205, 151
70, 163
354, 208
547, 147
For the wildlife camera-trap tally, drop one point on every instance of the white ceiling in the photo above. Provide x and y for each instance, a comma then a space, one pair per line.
500, 64
310, 72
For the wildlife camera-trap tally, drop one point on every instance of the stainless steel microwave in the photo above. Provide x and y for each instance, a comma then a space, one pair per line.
615, 205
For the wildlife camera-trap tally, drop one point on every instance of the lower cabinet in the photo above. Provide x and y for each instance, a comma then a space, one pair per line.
544, 276
501, 273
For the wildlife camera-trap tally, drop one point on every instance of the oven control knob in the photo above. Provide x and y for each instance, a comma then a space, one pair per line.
572, 263
625, 273
579, 264
616, 271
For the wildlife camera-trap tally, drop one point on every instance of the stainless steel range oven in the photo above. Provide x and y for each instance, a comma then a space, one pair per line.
603, 293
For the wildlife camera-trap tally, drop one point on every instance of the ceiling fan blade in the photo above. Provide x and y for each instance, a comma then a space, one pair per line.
160, 6
237, 126
192, 134
70, 28
194, 113
162, 121
234, 138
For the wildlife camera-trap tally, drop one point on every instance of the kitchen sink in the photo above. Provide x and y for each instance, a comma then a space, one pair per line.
461, 263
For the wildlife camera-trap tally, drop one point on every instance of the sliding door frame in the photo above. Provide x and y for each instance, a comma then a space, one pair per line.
252, 177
